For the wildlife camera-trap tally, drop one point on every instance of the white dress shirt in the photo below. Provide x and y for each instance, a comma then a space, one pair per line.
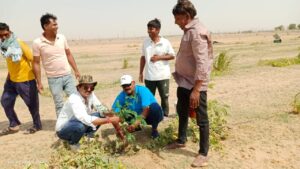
75, 107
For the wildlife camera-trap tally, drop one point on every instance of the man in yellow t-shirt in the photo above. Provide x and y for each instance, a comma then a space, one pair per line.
20, 81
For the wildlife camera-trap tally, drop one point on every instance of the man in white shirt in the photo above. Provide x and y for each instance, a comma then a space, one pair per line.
156, 53
54, 52
82, 114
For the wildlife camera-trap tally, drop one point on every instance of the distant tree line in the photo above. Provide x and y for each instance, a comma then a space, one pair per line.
291, 26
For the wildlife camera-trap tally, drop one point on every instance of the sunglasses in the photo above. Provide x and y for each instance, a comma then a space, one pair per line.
89, 87
126, 85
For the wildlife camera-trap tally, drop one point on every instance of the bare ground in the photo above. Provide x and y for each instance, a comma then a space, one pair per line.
263, 134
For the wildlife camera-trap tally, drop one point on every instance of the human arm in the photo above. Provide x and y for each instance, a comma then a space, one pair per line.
168, 55
72, 62
200, 52
142, 66
37, 72
144, 115
156, 58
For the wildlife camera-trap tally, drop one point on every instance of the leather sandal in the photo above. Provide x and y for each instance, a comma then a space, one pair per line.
31, 130
7, 131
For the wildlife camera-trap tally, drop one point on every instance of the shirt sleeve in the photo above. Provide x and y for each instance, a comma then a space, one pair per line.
118, 103
26, 51
98, 105
145, 97
65, 42
80, 112
36, 49
200, 53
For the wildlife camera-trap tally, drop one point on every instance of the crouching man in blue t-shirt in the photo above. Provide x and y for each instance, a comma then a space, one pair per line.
140, 100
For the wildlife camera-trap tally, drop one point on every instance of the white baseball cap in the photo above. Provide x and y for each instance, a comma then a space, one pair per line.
126, 79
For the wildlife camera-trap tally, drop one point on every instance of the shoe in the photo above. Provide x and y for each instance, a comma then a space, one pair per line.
9, 130
90, 136
200, 161
154, 134
175, 145
32, 130
74, 147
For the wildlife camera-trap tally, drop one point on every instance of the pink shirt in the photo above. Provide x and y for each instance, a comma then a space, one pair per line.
53, 55
194, 58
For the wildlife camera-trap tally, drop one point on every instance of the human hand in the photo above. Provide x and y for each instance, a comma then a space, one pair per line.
194, 99
77, 75
114, 119
130, 128
40, 88
154, 58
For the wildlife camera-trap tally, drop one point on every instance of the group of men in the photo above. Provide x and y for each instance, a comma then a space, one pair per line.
82, 113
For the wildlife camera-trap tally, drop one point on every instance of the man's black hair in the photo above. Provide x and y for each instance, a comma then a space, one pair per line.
4, 26
45, 19
184, 7
155, 23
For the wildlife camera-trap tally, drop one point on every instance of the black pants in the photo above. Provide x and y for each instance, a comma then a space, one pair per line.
183, 107
163, 90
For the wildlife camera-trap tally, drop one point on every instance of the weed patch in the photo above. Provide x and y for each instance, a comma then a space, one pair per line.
221, 64
296, 104
281, 62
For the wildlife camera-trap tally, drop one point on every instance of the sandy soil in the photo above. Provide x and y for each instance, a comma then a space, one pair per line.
262, 132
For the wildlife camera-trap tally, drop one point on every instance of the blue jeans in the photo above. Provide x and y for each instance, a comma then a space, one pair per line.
155, 115
59, 84
74, 129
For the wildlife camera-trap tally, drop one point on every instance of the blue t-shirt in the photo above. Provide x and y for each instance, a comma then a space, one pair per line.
142, 98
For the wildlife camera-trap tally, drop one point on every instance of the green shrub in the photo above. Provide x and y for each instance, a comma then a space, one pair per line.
218, 131
221, 63
125, 63
281, 62
90, 155
296, 104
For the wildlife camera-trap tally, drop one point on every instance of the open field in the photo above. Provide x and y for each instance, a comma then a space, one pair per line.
263, 134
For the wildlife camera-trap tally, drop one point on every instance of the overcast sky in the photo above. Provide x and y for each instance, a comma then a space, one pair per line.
91, 19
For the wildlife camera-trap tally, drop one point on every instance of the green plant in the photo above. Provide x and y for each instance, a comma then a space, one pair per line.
125, 63
218, 130
91, 155
168, 135
281, 62
296, 104
292, 26
221, 64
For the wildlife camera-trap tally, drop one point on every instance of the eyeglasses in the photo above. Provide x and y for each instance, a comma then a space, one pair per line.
89, 87
126, 85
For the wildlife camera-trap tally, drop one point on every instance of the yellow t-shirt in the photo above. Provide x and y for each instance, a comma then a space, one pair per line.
21, 71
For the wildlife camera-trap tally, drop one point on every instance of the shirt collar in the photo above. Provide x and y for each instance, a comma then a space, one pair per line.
158, 43
82, 99
43, 39
191, 24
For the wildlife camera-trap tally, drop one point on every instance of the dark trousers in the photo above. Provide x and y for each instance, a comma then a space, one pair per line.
183, 107
155, 115
163, 90
28, 92
74, 129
